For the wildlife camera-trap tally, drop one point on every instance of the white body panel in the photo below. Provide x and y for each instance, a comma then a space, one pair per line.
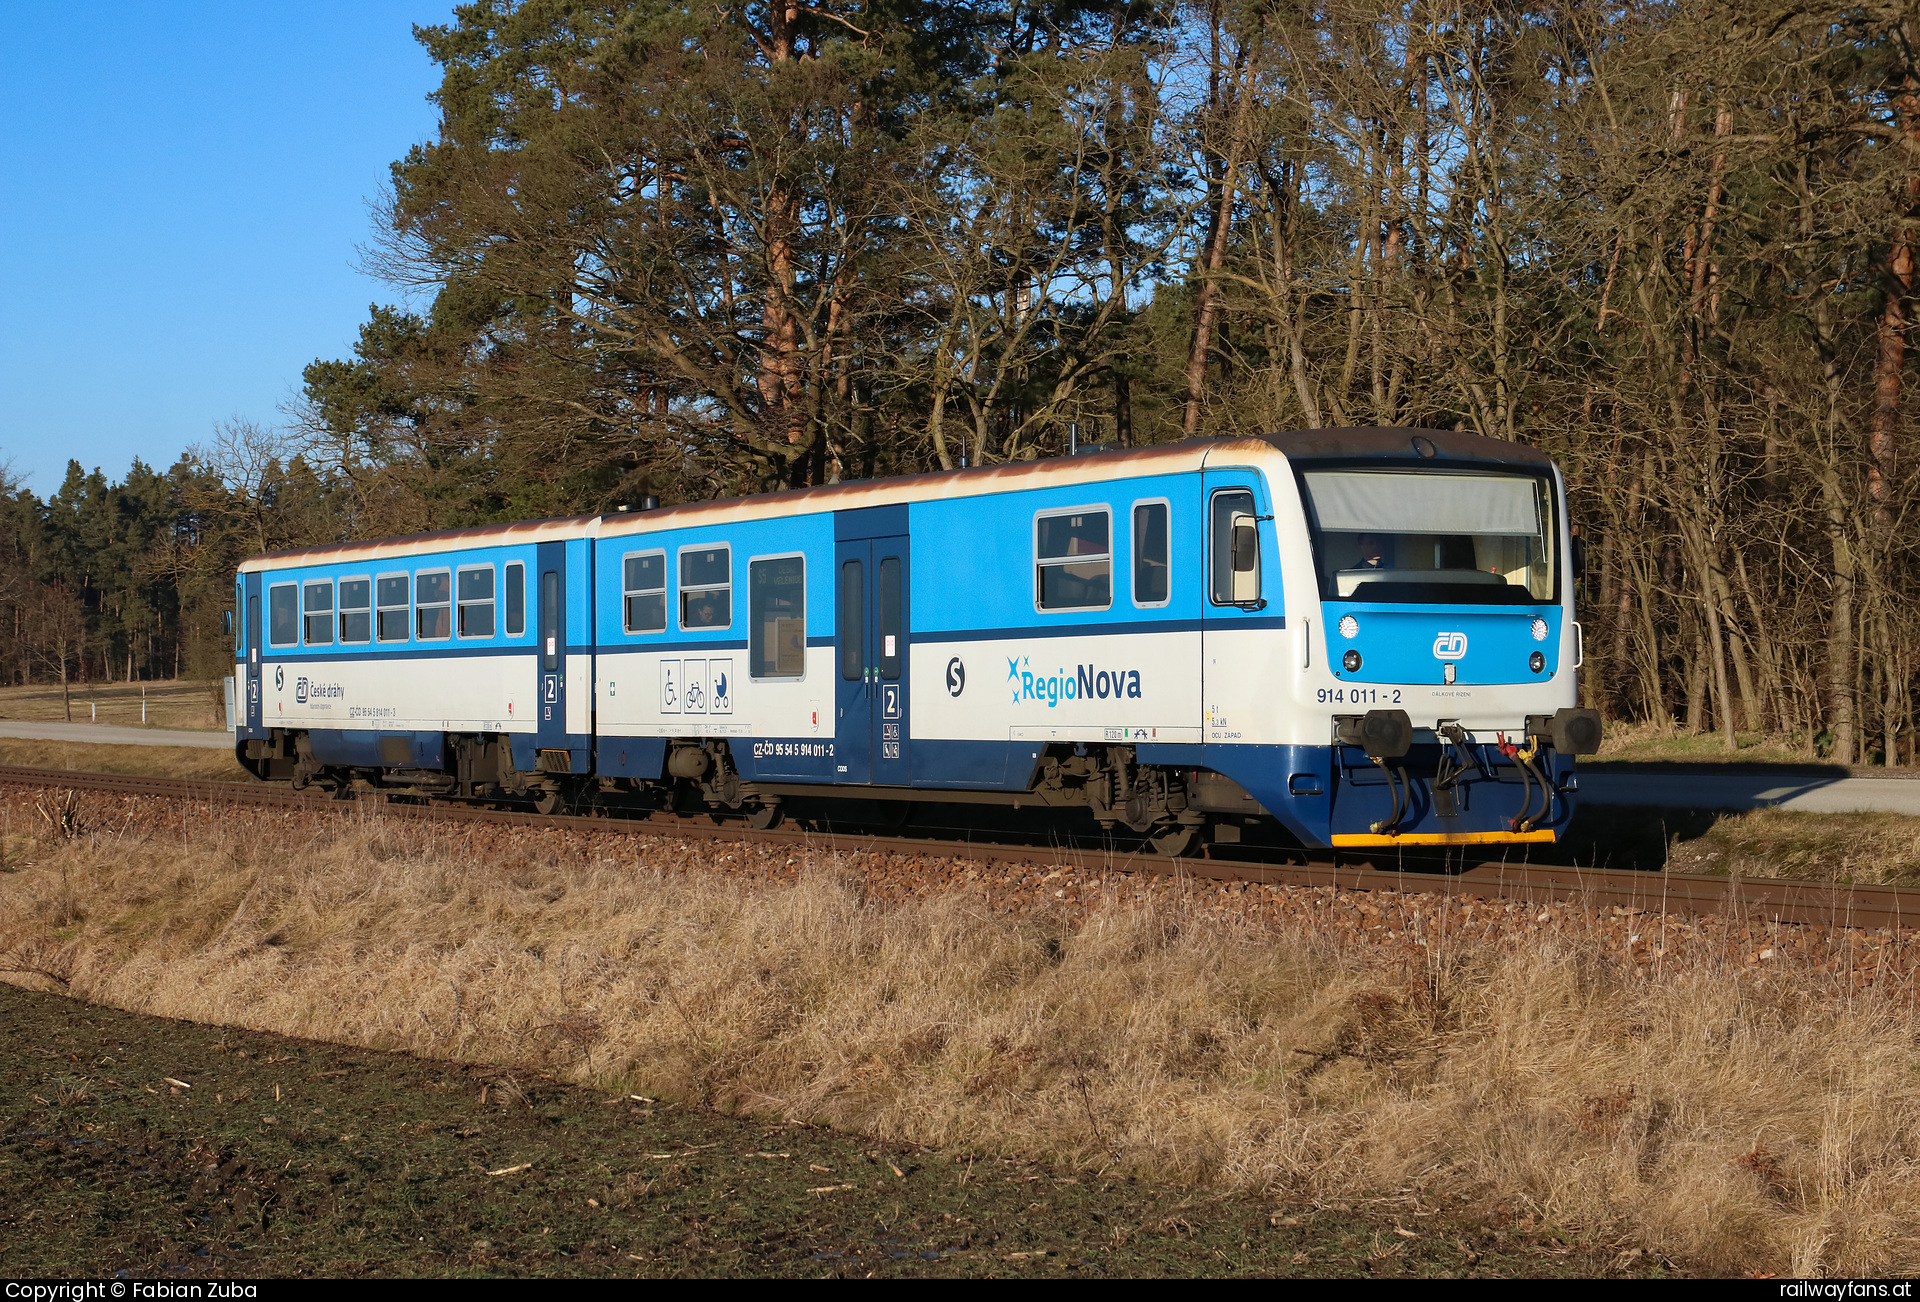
403, 694
668, 693
1028, 689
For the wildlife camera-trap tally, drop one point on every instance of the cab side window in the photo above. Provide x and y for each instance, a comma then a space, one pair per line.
1234, 549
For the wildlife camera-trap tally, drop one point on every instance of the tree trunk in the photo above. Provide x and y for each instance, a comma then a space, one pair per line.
1213, 254
1883, 441
1840, 631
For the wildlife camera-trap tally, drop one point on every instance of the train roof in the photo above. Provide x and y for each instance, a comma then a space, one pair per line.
1388, 444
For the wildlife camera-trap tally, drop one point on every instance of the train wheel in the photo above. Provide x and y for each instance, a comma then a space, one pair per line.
551, 802
1172, 841
763, 816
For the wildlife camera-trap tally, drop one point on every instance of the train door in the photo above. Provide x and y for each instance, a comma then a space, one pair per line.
551, 600
1234, 595
872, 738
250, 626
889, 651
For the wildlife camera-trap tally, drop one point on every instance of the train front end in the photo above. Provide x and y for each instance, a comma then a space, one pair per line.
1443, 709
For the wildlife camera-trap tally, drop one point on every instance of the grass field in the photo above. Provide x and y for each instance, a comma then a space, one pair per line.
285, 1157
1649, 743
1723, 1097
138, 761
189, 705
1866, 848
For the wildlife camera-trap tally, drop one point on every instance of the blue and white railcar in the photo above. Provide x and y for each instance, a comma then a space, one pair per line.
437, 659
1347, 637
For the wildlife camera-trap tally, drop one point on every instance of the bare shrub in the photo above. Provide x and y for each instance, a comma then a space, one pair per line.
61, 813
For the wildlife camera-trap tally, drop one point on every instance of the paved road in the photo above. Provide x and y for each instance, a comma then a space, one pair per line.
1799, 791
106, 734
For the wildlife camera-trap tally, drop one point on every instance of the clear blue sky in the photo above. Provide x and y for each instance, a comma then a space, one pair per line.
182, 190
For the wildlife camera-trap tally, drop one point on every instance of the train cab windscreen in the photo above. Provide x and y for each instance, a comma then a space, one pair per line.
1424, 536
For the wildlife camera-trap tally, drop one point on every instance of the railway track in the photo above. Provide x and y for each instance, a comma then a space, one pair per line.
1759, 899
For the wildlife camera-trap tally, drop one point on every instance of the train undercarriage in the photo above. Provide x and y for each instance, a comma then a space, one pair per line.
1102, 789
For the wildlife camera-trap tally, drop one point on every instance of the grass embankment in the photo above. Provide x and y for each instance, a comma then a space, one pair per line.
137, 761
1650, 743
1880, 849
174, 704
1734, 1110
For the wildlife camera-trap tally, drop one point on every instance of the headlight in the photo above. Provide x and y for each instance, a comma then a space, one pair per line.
1539, 630
1352, 661
1349, 627
1536, 662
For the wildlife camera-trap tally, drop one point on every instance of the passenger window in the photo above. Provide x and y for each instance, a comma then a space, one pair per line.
516, 599
356, 614
892, 636
644, 585
475, 594
319, 628
777, 617
853, 623
1235, 549
393, 591
1073, 563
1152, 581
432, 606
706, 588
550, 620
283, 614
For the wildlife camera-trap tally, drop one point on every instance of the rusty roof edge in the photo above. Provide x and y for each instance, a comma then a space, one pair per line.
926, 486
1397, 441
560, 527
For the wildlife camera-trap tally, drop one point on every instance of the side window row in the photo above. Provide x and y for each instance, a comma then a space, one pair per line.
1073, 555
428, 606
706, 589
1073, 558
776, 602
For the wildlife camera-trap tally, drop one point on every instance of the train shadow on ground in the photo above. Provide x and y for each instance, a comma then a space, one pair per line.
1625, 836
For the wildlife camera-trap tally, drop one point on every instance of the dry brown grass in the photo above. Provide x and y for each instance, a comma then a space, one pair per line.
181, 704
138, 761
1870, 848
1735, 1117
1652, 741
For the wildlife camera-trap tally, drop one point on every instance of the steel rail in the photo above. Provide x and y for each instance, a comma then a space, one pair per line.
1756, 899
